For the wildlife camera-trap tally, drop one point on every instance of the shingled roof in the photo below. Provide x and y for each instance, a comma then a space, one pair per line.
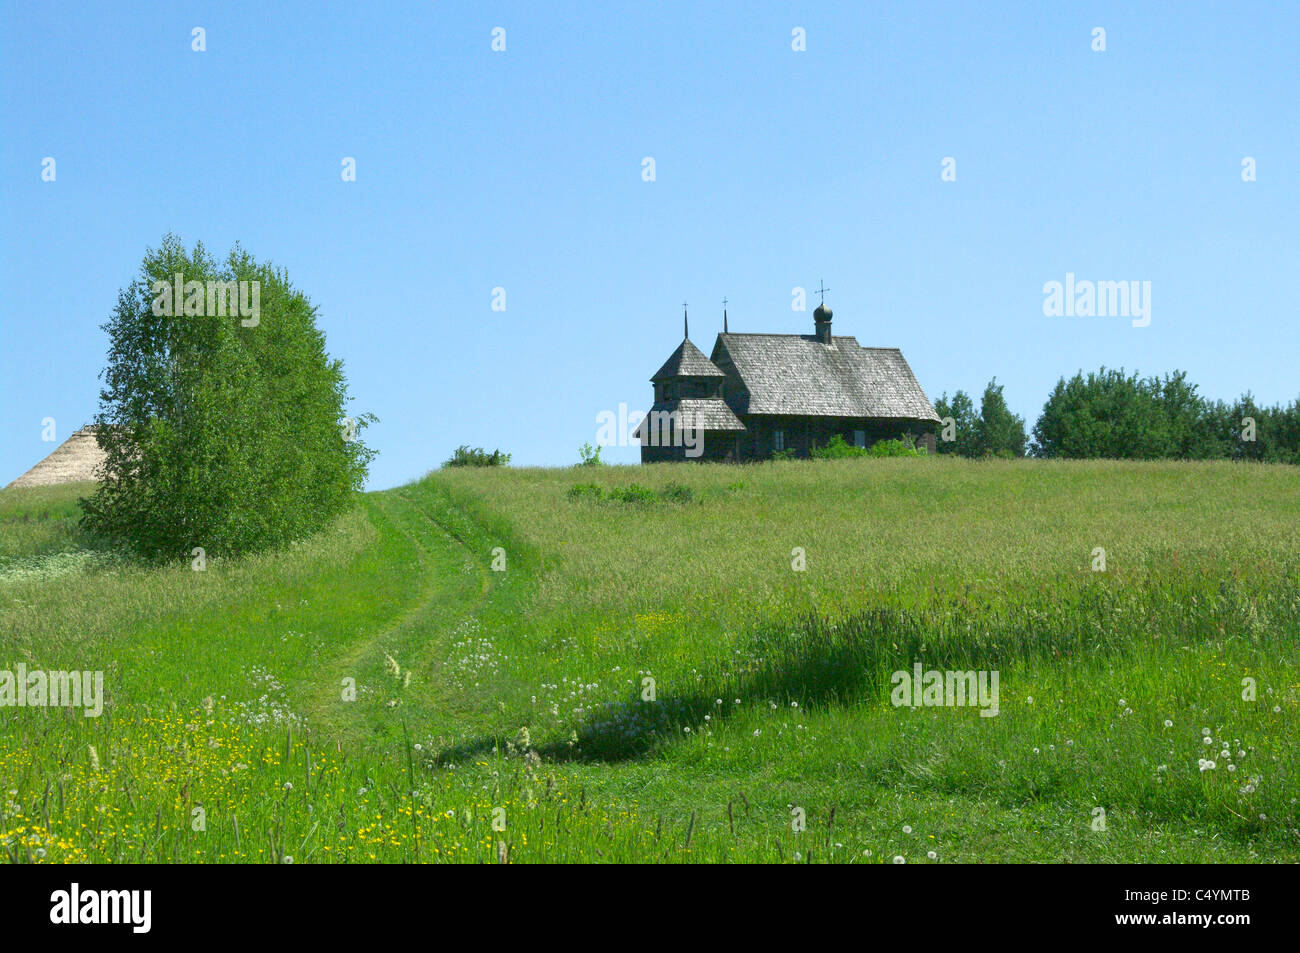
797, 374
78, 459
687, 361
703, 413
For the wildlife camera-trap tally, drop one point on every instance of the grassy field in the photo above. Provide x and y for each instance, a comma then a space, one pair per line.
503, 715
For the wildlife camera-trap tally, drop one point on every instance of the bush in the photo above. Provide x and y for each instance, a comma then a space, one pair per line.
590, 455
221, 432
586, 491
632, 493
476, 457
837, 449
893, 448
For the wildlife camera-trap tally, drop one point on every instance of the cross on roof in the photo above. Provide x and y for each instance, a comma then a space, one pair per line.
822, 290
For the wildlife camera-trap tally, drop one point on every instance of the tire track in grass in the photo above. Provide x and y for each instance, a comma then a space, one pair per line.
455, 591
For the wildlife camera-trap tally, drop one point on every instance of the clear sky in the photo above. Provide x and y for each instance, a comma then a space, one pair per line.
774, 169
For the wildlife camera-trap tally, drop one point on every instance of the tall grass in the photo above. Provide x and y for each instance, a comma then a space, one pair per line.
525, 689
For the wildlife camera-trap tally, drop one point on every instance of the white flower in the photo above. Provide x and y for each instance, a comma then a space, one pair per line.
1168, 723
932, 855
1206, 732
898, 859
907, 828
1206, 765
288, 859
288, 785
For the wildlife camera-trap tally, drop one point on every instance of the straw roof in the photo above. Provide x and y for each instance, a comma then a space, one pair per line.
77, 460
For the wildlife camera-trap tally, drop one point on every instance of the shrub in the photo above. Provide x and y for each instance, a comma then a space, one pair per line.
585, 491
837, 449
476, 457
590, 455
893, 448
632, 493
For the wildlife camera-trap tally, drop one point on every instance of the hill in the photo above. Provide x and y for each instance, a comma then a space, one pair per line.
506, 714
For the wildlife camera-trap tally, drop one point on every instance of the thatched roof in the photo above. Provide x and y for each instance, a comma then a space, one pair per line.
77, 460
797, 374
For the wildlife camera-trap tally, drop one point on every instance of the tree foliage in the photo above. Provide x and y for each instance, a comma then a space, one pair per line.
223, 434
994, 431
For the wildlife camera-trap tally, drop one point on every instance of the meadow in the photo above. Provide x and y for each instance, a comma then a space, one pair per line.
678, 663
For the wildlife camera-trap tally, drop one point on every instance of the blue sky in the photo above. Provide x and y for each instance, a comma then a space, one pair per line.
774, 169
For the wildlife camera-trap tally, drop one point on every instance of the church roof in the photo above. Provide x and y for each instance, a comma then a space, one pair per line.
797, 374
706, 413
77, 460
687, 361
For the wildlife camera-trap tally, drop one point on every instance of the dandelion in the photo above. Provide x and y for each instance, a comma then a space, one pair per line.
287, 859
1168, 723
898, 859
907, 828
1206, 765
932, 855
288, 785
1205, 732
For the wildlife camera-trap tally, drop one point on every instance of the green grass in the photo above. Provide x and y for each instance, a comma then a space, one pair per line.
514, 699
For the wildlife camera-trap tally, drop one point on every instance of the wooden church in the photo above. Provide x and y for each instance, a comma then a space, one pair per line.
759, 394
